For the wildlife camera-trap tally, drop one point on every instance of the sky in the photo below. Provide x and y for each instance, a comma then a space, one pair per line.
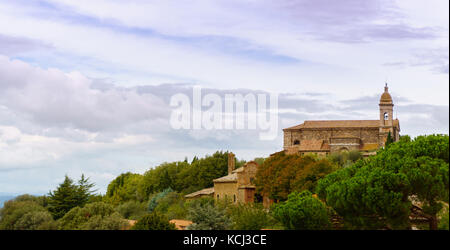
85, 85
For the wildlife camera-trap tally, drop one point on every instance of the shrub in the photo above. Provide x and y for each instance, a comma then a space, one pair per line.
132, 210
444, 220
206, 216
36, 220
154, 221
16, 213
94, 216
249, 217
302, 211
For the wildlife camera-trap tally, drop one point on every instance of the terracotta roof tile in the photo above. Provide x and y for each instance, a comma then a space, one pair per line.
227, 178
337, 124
206, 191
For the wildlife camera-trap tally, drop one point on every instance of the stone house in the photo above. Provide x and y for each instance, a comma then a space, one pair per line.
236, 187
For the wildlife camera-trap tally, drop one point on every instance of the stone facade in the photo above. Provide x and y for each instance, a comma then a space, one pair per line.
325, 137
238, 185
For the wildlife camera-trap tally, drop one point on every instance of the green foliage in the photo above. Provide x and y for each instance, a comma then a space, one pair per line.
69, 195
154, 221
345, 158
207, 216
259, 160
132, 210
93, 216
282, 174
249, 216
389, 140
444, 220
153, 203
172, 204
36, 220
25, 213
302, 212
124, 188
183, 176
377, 192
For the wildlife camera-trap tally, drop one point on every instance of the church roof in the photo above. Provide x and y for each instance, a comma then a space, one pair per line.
227, 178
340, 124
386, 97
337, 124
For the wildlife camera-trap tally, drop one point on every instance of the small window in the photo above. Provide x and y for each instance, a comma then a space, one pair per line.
234, 198
296, 142
217, 196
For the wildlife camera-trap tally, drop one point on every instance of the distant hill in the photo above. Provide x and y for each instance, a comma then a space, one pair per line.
4, 198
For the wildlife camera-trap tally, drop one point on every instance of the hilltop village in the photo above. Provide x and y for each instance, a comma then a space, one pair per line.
390, 181
320, 138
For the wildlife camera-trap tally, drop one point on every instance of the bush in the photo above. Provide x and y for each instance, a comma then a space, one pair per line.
153, 202
302, 211
132, 210
94, 216
36, 220
249, 217
206, 216
16, 213
154, 221
444, 220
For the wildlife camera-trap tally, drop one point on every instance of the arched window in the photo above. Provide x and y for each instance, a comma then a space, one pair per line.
234, 198
386, 116
296, 142
343, 149
217, 196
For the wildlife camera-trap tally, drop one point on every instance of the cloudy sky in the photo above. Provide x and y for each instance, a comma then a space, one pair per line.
85, 85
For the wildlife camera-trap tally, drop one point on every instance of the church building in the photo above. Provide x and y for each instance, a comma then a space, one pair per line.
323, 137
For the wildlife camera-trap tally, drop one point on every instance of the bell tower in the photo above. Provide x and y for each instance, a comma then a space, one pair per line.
386, 108
386, 116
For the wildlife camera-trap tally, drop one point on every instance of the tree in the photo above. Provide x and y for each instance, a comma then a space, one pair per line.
389, 140
153, 203
251, 216
345, 158
302, 211
183, 176
132, 210
36, 220
444, 220
84, 191
206, 216
25, 213
154, 221
124, 188
93, 216
383, 191
282, 174
69, 195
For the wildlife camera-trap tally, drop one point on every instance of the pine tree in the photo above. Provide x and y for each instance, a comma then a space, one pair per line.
63, 198
84, 190
69, 195
389, 139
